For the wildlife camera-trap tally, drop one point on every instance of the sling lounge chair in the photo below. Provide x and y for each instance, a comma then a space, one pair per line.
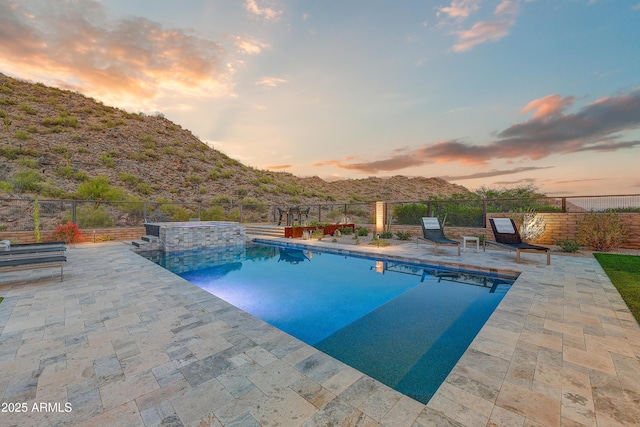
432, 231
507, 236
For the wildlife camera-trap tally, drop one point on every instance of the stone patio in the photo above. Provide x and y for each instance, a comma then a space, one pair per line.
124, 342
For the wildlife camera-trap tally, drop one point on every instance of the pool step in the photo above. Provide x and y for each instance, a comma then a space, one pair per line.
265, 230
147, 243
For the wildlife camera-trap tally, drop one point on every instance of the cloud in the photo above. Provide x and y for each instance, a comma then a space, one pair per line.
548, 106
270, 81
636, 7
278, 167
516, 182
459, 9
268, 12
492, 173
112, 59
595, 127
493, 30
573, 181
249, 45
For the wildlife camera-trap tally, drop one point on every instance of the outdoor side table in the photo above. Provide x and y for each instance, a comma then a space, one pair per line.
466, 239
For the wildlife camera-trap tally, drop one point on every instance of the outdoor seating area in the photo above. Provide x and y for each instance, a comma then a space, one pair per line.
292, 215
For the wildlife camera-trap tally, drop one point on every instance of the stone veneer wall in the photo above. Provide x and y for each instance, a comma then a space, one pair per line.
196, 235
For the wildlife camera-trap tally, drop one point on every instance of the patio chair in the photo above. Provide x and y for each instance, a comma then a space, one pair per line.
283, 214
304, 212
507, 236
432, 232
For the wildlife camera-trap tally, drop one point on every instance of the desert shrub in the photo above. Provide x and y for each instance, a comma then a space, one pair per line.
386, 235
410, 214
403, 235
214, 213
54, 192
64, 119
22, 135
94, 217
99, 188
70, 173
151, 154
221, 199
107, 160
174, 212
379, 243
147, 140
28, 163
26, 180
68, 233
128, 178
27, 109
138, 157
144, 188
346, 231
601, 231
362, 231
60, 149
13, 153
567, 245
194, 179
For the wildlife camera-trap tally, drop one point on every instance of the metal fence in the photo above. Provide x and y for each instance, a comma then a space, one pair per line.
20, 214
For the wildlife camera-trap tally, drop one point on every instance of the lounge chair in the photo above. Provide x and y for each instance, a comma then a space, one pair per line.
507, 236
432, 231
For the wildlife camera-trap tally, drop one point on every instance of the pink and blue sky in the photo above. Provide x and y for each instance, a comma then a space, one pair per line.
478, 92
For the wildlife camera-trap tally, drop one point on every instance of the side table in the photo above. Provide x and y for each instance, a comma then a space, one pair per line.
466, 239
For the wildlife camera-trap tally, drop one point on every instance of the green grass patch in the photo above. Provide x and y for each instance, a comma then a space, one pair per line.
624, 272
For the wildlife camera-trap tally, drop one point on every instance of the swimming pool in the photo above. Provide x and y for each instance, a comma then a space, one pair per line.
404, 324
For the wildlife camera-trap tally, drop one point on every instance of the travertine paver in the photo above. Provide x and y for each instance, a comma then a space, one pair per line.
124, 342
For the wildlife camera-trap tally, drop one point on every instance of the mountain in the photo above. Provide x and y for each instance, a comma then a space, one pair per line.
53, 140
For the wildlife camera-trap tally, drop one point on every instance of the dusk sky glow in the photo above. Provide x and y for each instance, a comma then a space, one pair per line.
478, 92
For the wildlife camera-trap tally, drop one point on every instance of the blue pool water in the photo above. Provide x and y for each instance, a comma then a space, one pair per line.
404, 324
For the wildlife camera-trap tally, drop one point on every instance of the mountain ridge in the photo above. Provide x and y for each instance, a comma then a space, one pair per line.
58, 139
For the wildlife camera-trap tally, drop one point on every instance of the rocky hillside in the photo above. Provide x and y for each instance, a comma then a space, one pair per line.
52, 140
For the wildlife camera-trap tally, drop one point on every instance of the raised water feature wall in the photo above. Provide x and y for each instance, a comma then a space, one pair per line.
185, 236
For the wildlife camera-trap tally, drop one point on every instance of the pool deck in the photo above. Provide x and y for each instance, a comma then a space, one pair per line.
124, 342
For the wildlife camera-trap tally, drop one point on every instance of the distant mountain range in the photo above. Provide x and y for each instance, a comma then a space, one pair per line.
52, 140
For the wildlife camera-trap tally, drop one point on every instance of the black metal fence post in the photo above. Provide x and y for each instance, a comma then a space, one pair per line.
484, 212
